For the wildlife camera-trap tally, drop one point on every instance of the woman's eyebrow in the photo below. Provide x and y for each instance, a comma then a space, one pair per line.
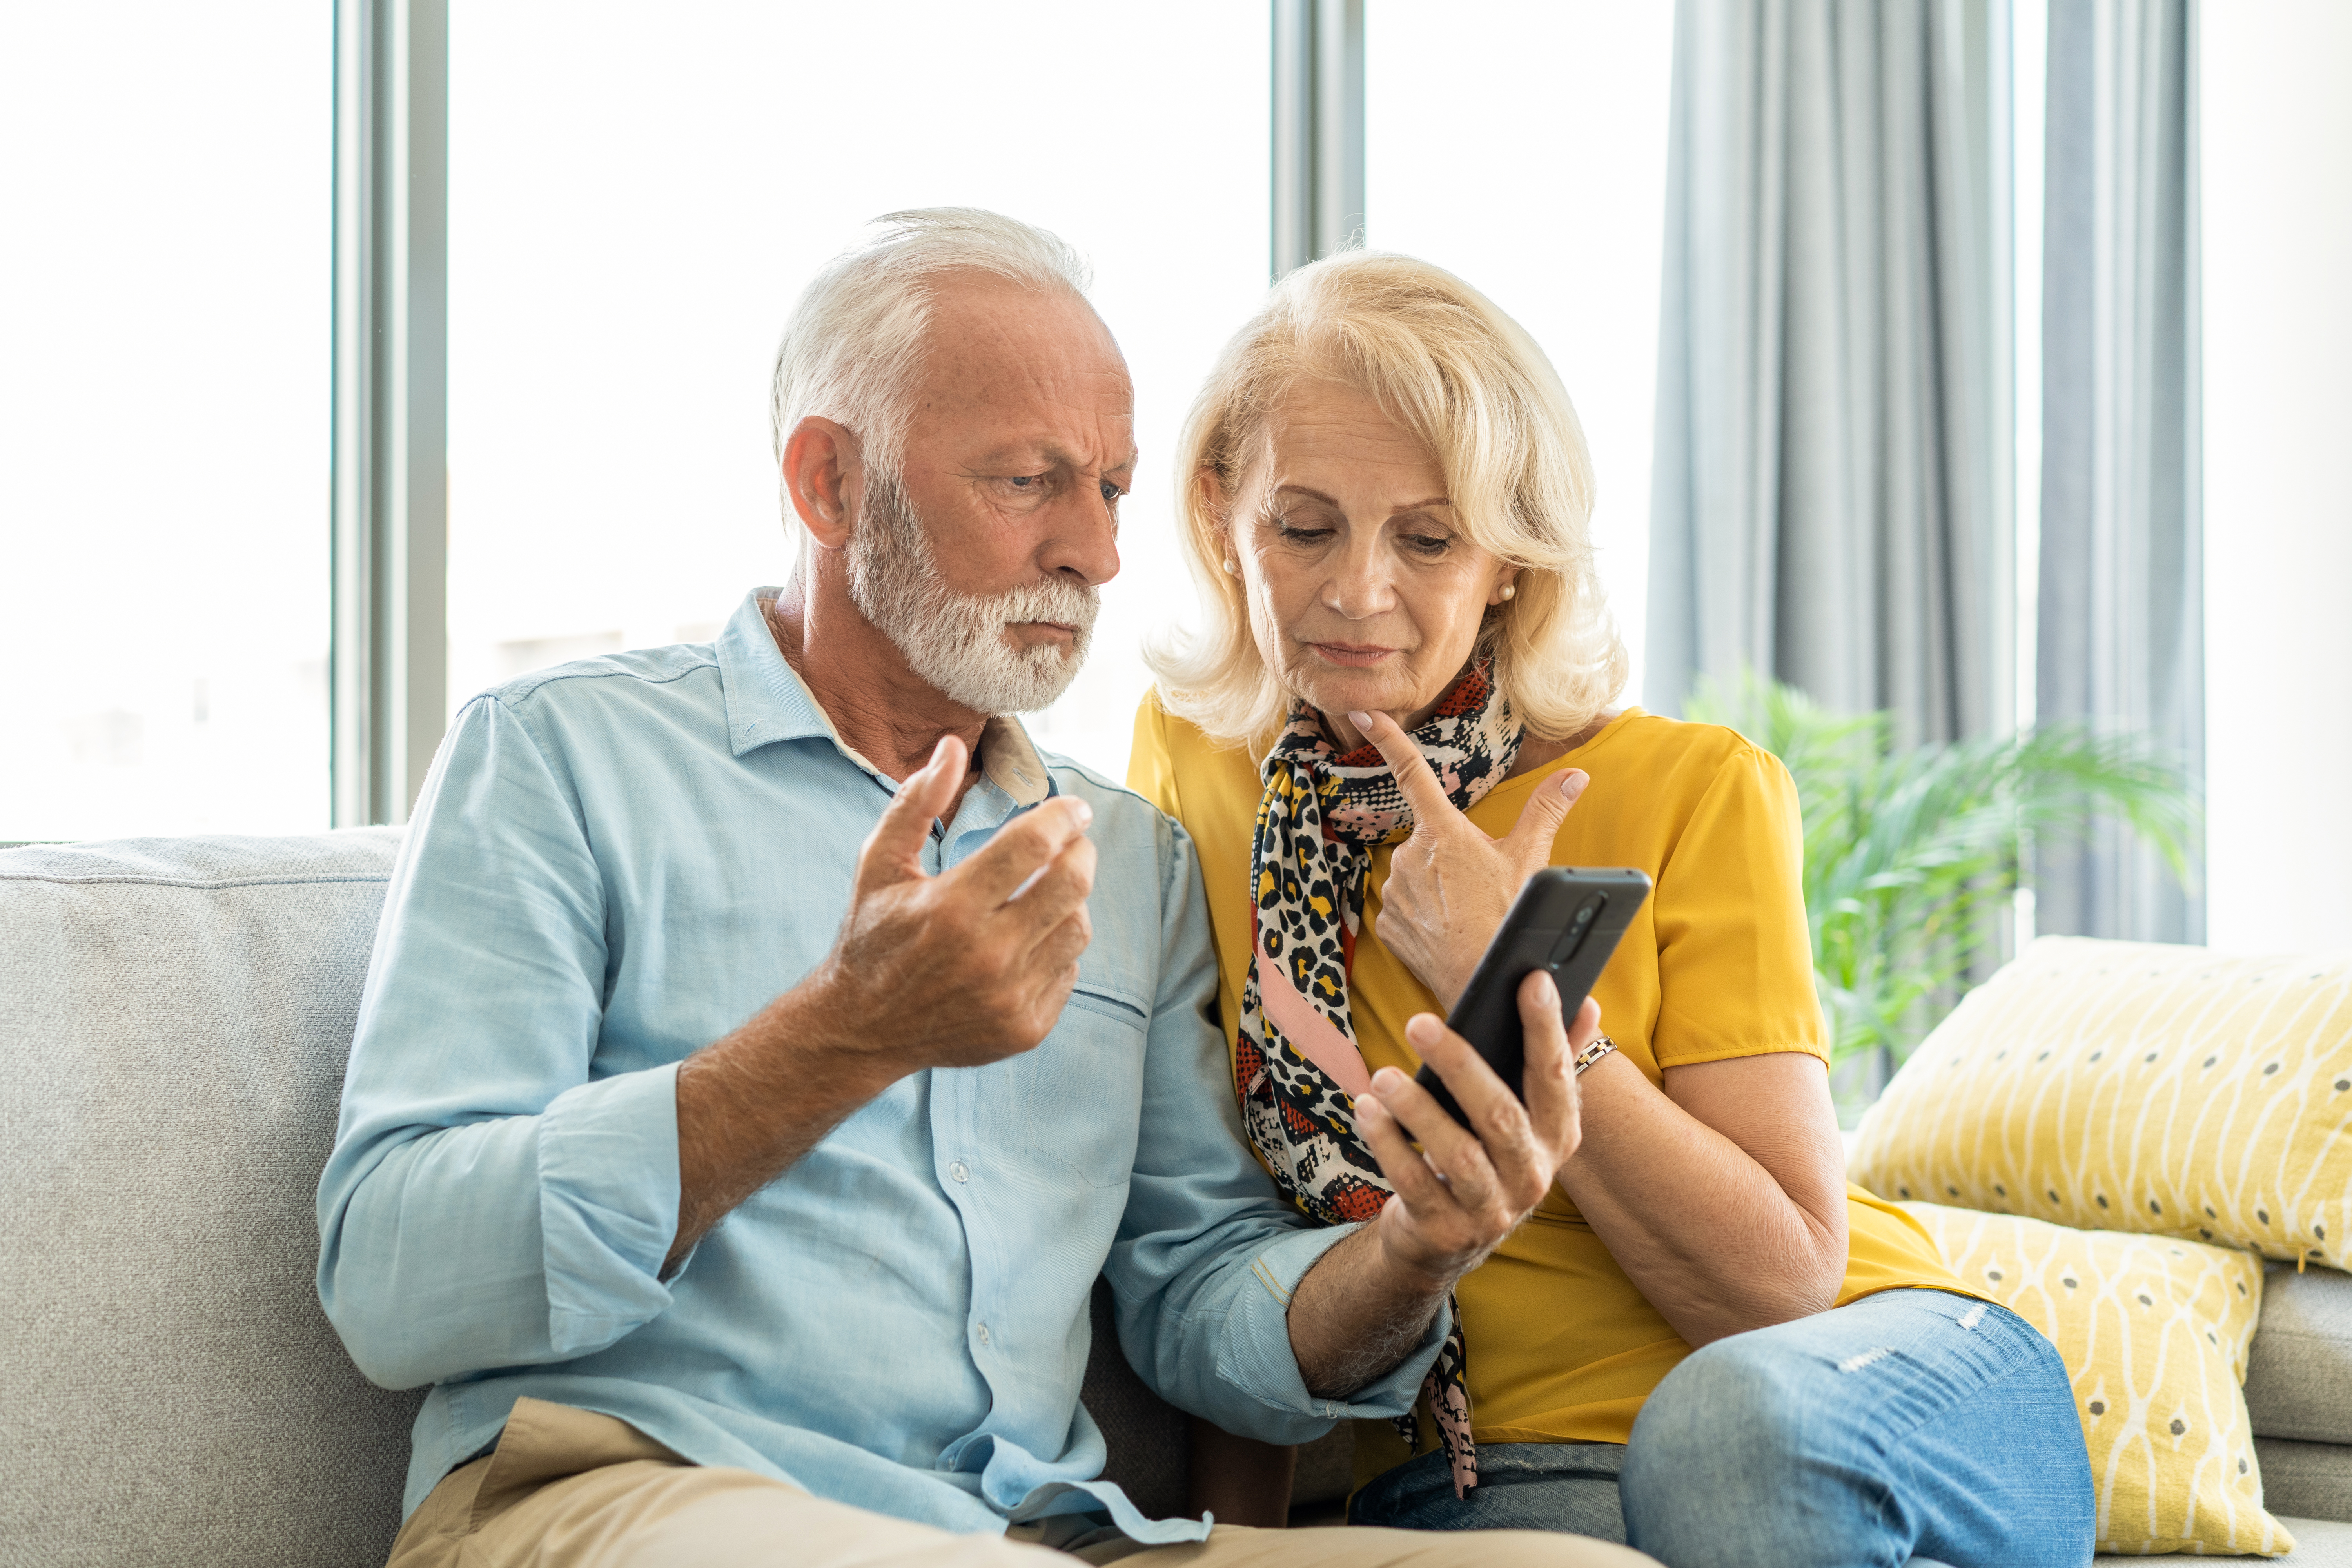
1327, 501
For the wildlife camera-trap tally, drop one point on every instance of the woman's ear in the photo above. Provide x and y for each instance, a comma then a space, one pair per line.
1211, 488
1507, 586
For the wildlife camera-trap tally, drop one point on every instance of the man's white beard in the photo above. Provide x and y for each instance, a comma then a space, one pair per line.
957, 641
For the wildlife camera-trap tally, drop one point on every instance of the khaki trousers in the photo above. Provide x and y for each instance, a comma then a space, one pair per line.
569, 1489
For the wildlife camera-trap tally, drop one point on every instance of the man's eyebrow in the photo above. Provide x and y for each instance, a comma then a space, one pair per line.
1055, 456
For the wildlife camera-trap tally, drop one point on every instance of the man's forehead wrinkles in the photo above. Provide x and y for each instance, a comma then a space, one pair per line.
1059, 451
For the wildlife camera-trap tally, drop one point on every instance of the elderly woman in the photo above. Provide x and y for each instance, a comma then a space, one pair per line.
1703, 1341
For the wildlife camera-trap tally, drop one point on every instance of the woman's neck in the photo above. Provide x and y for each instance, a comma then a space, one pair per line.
1535, 752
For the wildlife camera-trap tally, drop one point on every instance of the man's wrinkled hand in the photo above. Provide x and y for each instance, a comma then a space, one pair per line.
971, 966
1465, 1189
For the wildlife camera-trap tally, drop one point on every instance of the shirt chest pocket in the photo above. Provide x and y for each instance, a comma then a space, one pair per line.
1083, 1096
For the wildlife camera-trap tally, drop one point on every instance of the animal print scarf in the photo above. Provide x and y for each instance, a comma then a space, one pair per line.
1296, 1064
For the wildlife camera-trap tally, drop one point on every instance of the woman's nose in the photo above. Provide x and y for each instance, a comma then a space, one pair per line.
1360, 588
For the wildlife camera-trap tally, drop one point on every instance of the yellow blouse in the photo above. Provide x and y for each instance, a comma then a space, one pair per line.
1563, 1347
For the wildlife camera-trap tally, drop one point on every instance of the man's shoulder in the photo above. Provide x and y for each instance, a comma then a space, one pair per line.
607, 678
588, 711
1120, 812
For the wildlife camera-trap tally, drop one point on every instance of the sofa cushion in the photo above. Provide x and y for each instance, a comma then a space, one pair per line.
2136, 1086
174, 1016
2299, 1378
2311, 1479
1147, 1439
2318, 1543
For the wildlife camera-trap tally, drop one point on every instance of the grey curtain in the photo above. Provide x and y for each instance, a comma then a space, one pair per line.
2120, 637
1825, 506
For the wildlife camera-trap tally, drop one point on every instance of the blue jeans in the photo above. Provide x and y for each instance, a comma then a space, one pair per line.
1913, 1426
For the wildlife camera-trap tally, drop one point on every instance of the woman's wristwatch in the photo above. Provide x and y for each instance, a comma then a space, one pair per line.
1593, 1053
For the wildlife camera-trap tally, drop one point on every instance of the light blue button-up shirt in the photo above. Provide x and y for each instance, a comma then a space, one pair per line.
618, 861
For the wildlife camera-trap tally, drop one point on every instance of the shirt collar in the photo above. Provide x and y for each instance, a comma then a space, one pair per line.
768, 701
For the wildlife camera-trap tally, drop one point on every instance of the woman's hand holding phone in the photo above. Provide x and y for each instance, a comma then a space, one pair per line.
1468, 1187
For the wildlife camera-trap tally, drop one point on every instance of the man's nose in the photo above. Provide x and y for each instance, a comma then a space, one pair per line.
1084, 538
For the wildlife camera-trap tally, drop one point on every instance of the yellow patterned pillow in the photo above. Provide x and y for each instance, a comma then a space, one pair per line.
2154, 1333
2129, 1086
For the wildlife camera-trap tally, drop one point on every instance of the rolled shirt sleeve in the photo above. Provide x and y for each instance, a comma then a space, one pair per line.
1209, 1255
490, 1202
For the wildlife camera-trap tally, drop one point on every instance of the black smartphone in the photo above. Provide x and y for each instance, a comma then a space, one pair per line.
1568, 918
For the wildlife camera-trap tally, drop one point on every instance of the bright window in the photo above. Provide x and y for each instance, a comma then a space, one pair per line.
1522, 145
635, 202
165, 327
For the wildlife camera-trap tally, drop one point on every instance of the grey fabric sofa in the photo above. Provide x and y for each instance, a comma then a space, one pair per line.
174, 1018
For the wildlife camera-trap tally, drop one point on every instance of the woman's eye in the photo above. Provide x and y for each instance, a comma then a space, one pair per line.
1427, 543
1302, 535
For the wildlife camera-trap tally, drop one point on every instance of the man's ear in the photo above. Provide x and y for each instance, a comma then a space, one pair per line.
820, 460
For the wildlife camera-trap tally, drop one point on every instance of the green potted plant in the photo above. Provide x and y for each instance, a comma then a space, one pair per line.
1910, 851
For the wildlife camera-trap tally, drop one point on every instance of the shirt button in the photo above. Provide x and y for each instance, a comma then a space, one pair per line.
959, 1171
984, 1333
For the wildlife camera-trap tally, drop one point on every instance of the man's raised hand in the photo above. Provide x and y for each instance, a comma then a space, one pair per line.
974, 964
957, 970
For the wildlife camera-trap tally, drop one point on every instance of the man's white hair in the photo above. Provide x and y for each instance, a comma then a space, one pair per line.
852, 350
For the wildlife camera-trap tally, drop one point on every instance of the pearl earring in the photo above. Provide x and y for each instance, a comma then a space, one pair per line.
1233, 567
1510, 590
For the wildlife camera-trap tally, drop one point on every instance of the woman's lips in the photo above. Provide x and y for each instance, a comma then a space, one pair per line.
1352, 655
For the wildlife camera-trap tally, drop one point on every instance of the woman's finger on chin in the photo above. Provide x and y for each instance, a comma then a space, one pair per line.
1431, 806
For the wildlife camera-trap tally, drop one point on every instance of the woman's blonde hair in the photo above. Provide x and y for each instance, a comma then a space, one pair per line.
1438, 358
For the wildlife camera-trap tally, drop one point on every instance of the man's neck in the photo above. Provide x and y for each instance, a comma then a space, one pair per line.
881, 708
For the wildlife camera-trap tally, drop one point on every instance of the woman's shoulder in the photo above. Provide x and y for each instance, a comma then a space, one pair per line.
1186, 772
1666, 750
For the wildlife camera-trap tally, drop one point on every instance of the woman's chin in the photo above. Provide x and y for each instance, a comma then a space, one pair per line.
1331, 696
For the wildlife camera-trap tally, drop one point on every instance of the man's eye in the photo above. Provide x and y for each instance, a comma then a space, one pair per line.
1023, 481
1111, 492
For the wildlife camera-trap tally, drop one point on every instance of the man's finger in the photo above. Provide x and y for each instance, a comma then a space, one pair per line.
1548, 806
1422, 791
1053, 992
893, 852
1549, 1086
1053, 893
1023, 847
1058, 896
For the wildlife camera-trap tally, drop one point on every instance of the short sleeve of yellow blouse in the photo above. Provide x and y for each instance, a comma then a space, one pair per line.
1718, 964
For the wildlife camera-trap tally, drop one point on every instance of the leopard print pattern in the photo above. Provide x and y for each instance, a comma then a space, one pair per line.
1321, 812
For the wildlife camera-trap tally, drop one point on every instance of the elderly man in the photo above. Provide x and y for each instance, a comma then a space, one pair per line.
766, 1049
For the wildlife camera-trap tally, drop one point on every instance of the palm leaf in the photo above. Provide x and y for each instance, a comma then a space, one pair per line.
1909, 851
